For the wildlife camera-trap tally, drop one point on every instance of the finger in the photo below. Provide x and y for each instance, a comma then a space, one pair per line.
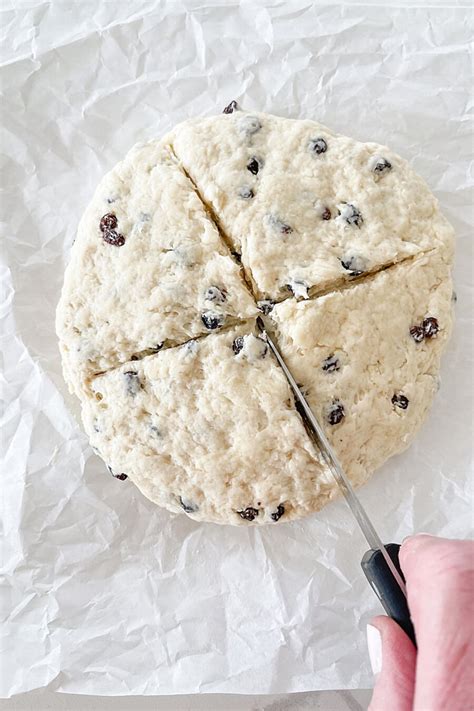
440, 589
395, 672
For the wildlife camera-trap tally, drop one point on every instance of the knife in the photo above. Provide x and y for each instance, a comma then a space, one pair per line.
380, 563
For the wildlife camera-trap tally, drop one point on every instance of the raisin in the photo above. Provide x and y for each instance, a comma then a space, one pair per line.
132, 380
246, 193
237, 256
107, 226
318, 146
350, 214
266, 306
430, 327
280, 226
188, 506
212, 320
326, 214
331, 364
108, 222
230, 108
417, 333
276, 515
253, 166
380, 166
112, 237
335, 413
213, 293
248, 514
122, 477
298, 288
238, 344
354, 265
401, 401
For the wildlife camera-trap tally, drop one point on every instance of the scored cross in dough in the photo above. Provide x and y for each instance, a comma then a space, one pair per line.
360, 367
170, 280
343, 235
306, 207
210, 428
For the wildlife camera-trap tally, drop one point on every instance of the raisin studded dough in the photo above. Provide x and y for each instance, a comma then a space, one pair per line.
307, 208
183, 242
346, 348
215, 419
120, 301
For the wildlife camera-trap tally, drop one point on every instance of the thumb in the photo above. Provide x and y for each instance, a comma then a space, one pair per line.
393, 659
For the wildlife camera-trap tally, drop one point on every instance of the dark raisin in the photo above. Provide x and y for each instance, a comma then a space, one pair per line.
212, 320
230, 108
417, 333
112, 237
454, 297
253, 166
298, 288
401, 401
276, 515
354, 265
351, 214
331, 364
238, 344
246, 193
430, 327
335, 413
132, 380
237, 256
248, 514
318, 146
380, 166
213, 293
326, 214
266, 306
108, 222
282, 227
122, 477
107, 226
188, 506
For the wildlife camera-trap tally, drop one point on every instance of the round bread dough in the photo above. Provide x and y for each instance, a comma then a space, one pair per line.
340, 245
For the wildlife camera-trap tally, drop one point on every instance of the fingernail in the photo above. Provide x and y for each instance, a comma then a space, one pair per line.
418, 533
374, 644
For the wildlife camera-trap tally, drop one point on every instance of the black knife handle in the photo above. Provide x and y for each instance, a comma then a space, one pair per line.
386, 587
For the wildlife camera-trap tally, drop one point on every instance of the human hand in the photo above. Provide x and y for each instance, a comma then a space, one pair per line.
439, 576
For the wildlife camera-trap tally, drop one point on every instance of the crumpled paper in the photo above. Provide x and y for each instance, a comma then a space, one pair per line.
105, 593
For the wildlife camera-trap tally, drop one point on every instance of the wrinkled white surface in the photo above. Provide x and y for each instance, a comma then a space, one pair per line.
105, 593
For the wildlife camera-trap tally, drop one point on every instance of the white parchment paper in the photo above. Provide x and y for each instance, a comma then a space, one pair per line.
105, 593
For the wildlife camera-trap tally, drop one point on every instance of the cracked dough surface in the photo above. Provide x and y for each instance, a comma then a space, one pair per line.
216, 432
156, 319
281, 231
118, 301
353, 347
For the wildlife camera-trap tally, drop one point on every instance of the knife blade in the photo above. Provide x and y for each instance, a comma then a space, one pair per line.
380, 563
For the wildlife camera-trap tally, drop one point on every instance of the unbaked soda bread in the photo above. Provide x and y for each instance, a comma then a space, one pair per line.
338, 243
